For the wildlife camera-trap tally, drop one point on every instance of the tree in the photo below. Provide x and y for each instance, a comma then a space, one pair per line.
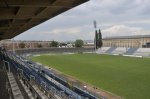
100, 43
39, 45
22, 45
79, 43
63, 45
54, 44
98, 39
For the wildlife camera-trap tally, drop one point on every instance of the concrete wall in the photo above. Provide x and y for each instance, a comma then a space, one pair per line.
45, 50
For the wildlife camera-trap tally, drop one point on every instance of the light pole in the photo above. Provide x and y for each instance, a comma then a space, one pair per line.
95, 27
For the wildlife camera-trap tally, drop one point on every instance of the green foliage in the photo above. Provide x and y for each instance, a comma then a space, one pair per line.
62, 44
54, 44
22, 45
79, 43
39, 45
98, 39
125, 76
100, 43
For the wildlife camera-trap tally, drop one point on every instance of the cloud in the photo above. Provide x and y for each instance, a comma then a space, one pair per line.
117, 17
66, 34
69, 31
123, 30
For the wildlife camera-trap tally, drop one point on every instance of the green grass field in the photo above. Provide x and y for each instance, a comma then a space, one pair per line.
125, 76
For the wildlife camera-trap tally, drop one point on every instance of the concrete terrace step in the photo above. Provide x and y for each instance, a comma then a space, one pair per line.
27, 90
14, 87
41, 94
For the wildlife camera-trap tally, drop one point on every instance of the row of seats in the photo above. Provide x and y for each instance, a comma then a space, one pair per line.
125, 51
142, 52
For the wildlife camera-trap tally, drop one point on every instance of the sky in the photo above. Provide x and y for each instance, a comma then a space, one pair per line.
113, 17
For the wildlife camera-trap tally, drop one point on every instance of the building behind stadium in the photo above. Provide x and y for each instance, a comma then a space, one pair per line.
138, 41
14, 44
11, 44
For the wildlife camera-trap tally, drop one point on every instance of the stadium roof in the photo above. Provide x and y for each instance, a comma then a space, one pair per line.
17, 16
128, 37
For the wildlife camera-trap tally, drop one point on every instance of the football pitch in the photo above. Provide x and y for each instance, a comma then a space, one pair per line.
127, 77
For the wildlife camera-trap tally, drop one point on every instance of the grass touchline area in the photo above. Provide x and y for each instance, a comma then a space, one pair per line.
125, 76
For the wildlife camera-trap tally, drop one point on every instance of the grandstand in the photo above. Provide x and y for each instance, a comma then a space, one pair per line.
41, 81
110, 50
130, 51
137, 45
23, 79
143, 52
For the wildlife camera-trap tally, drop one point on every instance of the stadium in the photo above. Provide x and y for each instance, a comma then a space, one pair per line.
112, 68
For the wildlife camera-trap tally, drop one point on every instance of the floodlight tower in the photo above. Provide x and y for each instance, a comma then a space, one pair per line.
95, 27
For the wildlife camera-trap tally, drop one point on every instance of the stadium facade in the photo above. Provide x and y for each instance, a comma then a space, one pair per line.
138, 41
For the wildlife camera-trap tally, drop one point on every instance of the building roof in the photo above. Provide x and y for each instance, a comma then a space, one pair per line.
128, 37
17, 16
